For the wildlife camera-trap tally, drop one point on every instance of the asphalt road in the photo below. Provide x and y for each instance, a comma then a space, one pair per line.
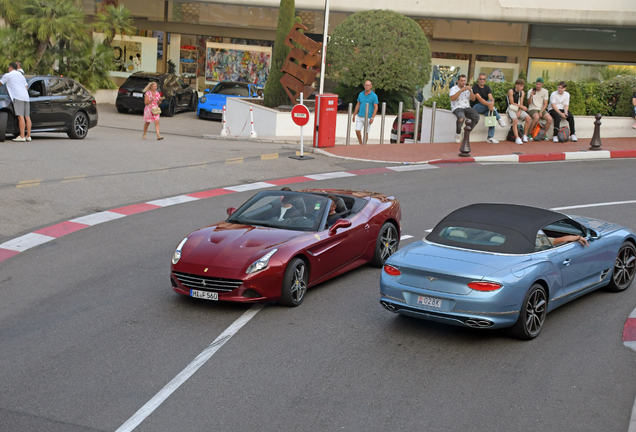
90, 329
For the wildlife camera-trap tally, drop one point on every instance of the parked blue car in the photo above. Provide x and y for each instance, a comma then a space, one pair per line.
504, 265
212, 102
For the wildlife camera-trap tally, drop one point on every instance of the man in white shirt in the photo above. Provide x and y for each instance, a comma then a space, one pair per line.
460, 96
19, 94
538, 105
559, 109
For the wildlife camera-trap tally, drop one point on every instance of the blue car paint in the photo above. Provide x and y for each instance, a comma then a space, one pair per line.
453, 268
215, 101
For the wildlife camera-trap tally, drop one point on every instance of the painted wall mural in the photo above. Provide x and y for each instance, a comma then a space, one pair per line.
227, 62
126, 56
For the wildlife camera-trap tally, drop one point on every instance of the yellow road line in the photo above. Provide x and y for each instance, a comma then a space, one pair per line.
269, 156
233, 161
73, 178
28, 183
197, 165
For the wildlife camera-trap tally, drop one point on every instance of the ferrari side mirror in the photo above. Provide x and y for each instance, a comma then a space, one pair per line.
231, 210
340, 223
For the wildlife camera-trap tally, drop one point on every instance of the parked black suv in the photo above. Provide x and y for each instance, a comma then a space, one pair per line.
178, 95
57, 104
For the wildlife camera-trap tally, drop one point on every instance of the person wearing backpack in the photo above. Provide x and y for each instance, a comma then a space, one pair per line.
559, 109
517, 112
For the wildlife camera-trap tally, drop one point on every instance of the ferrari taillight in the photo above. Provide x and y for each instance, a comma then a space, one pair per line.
484, 286
391, 270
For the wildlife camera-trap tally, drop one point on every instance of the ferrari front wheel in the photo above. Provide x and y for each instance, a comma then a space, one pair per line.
294, 283
532, 314
624, 268
386, 244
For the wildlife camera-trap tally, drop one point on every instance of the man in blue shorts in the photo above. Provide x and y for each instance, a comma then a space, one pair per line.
365, 98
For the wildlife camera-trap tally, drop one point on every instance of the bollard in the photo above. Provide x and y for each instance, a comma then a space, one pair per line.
349, 124
382, 124
464, 150
224, 130
399, 122
416, 128
433, 123
253, 133
595, 144
365, 128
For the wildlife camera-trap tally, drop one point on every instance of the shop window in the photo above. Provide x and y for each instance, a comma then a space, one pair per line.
558, 70
583, 37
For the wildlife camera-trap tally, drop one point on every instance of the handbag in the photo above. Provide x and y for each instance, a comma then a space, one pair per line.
155, 110
491, 120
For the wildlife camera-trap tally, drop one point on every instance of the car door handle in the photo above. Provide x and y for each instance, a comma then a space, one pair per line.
566, 262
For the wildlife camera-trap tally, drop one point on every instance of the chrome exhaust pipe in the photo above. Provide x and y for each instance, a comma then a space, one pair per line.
388, 306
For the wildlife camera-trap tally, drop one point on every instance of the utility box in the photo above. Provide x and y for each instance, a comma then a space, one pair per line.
325, 116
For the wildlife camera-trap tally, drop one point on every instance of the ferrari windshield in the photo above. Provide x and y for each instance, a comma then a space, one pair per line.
283, 209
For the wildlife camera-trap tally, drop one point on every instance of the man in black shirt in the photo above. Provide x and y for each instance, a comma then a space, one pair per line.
484, 103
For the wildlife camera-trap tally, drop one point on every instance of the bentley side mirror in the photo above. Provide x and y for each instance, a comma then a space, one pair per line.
340, 223
592, 234
231, 210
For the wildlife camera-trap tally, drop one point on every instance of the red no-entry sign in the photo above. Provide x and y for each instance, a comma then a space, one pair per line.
300, 115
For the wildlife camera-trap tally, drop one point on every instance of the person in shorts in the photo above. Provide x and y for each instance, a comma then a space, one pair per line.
484, 103
538, 105
517, 111
365, 98
19, 94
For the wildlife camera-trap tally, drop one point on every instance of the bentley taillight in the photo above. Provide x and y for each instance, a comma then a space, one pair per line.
484, 286
391, 270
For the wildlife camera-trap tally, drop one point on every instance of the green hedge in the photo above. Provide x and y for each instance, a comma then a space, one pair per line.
610, 98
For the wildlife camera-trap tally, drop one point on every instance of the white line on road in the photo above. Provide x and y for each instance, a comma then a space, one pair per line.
406, 236
594, 205
189, 370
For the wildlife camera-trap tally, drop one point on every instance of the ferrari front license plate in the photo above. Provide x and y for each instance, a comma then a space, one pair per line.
217, 111
205, 295
138, 95
429, 301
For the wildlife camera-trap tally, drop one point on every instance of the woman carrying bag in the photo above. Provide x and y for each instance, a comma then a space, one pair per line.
152, 98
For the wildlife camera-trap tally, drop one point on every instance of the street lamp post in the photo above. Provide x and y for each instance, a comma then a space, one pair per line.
324, 48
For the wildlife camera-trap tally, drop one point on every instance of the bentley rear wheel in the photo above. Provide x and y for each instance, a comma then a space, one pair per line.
624, 268
294, 283
386, 244
532, 315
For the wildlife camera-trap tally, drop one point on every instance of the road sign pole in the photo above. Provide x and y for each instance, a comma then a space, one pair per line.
301, 129
300, 116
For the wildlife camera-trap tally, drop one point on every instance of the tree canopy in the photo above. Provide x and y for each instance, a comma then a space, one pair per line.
383, 46
274, 93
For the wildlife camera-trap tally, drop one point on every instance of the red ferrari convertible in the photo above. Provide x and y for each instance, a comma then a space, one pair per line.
279, 243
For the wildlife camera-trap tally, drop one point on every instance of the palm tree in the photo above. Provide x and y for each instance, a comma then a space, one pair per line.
112, 21
10, 10
52, 21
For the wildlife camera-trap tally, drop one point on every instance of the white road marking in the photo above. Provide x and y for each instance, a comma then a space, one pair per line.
633, 314
594, 205
331, 175
601, 154
428, 230
165, 202
499, 158
249, 186
404, 237
97, 218
26, 241
189, 370
412, 167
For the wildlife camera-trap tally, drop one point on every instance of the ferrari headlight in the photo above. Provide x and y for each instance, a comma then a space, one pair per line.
261, 263
177, 252
203, 99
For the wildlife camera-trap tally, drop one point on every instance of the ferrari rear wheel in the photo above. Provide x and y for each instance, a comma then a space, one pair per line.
386, 244
624, 268
294, 283
532, 315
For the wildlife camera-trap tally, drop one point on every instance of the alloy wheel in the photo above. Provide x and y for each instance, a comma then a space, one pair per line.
388, 241
535, 312
299, 285
81, 125
624, 266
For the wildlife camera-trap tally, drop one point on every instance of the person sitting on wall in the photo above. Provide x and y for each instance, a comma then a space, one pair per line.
538, 105
517, 111
460, 96
634, 109
484, 103
559, 109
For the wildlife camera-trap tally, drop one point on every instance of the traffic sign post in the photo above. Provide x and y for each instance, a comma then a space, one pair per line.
300, 116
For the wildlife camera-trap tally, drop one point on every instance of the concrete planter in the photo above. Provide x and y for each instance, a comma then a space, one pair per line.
105, 96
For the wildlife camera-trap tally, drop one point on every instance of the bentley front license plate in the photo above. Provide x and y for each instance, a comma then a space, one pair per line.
429, 301
205, 295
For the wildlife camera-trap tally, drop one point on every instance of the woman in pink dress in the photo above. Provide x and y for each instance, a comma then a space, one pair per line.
152, 98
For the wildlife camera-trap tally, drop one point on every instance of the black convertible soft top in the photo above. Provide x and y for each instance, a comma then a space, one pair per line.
518, 223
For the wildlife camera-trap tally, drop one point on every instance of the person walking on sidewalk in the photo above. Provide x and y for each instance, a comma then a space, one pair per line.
365, 98
19, 94
484, 103
559, 109
152, 98
517, 111
537, 107
460, 96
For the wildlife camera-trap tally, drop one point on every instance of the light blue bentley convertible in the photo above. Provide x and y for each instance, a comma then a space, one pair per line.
504, 265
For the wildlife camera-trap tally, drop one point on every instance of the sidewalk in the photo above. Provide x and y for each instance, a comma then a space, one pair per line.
483, 151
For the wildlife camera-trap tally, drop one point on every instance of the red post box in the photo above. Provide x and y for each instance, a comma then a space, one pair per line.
325, 116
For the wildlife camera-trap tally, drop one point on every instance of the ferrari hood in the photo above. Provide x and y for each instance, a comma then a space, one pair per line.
232, 245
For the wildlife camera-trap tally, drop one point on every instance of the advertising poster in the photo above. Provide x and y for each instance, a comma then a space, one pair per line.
497, 72
126, 56
240, 63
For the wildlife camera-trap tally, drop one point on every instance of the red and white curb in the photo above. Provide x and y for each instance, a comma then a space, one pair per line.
629, 331
25, 242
